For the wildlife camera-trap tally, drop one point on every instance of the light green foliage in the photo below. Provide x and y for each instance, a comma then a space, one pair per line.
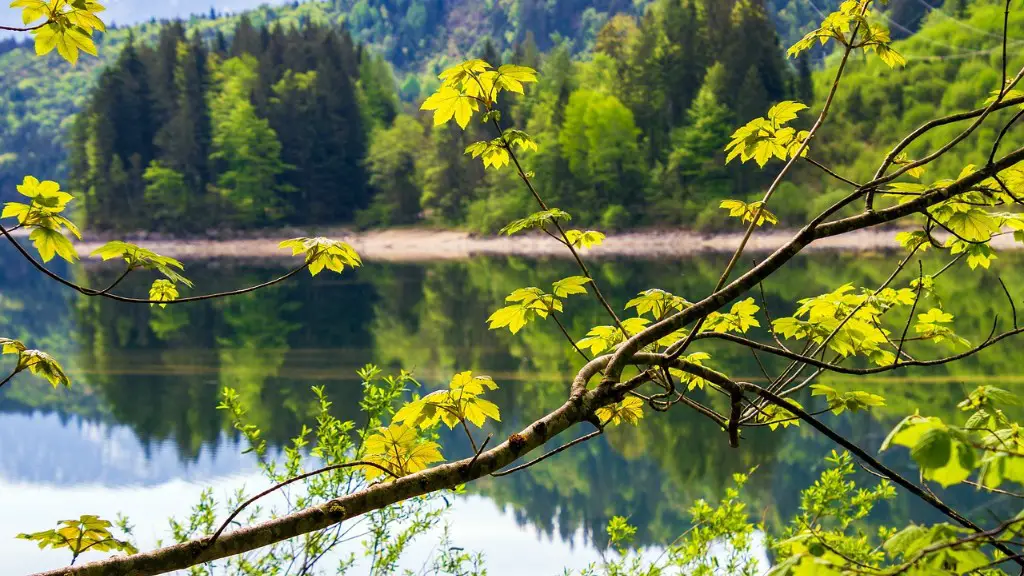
530, 303
745, 212
988, 444
536, 221
850, 320
467, 86
740, 318
328, 440
721, 541
461, 402
932, 325
825, 536
68, 25
657, 303
495, 153
840, 402
86, 533
584, 239
630, 411
401, 450
43, 216
138, 257
247, 145
851, 27
322, 253
942, 451
774, 416
761, 139
164, 290
36, 362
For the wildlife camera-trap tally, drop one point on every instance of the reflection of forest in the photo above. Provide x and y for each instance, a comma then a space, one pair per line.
159, 371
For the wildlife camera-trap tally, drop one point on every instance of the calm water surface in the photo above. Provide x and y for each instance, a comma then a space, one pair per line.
139, 434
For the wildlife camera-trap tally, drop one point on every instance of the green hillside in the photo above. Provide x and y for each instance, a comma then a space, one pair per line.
419, 37
953, 65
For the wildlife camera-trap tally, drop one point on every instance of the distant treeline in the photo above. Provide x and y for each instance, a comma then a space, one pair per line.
269, 127
302, 126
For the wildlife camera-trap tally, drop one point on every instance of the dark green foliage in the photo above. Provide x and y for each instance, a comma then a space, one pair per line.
180, 140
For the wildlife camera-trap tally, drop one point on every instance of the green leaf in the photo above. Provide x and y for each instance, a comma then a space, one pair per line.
535, 220
9, 346
322, 253
785, 111
52, 243
582, 240
746, 212
43, 365
630, 410
657, 302
447, 103
139, 257
571, 285
163, 290
88, 532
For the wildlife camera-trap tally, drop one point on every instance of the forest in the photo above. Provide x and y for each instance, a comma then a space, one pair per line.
215, 117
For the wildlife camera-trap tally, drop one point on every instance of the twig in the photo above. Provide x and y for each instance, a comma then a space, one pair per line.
913, 308
280, 485
831, 173
568, 337
564, 447
24, 29
1013, 307
480, 451
9, 376
92, 292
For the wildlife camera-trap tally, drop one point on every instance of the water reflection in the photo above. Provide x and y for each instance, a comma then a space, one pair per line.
147, 380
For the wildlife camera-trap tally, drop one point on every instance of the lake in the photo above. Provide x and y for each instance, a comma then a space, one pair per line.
139, 433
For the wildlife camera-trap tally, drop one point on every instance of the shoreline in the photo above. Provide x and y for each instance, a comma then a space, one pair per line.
418, 245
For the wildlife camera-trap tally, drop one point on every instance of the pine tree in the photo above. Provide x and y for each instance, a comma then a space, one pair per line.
685, 59
184, 141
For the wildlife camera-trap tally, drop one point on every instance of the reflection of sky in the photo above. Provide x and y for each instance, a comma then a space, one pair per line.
42, 449
51, 470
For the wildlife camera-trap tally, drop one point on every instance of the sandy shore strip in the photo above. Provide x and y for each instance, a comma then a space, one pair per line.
416, 244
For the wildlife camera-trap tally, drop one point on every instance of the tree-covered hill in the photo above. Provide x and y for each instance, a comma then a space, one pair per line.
419, 37
954, 64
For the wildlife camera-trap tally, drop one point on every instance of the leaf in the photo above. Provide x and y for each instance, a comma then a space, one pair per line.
447, 103
583, 240
535, 220
322, 253
570, 285
88, 532
462, 72
938, 449
775, 416
657, 302
785, 111
493, 153
745, 212
741, 317
630, 410
50, 243
9, 346
139, 257
914, 239
511, 77
163, 290
43, 365
399, 449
